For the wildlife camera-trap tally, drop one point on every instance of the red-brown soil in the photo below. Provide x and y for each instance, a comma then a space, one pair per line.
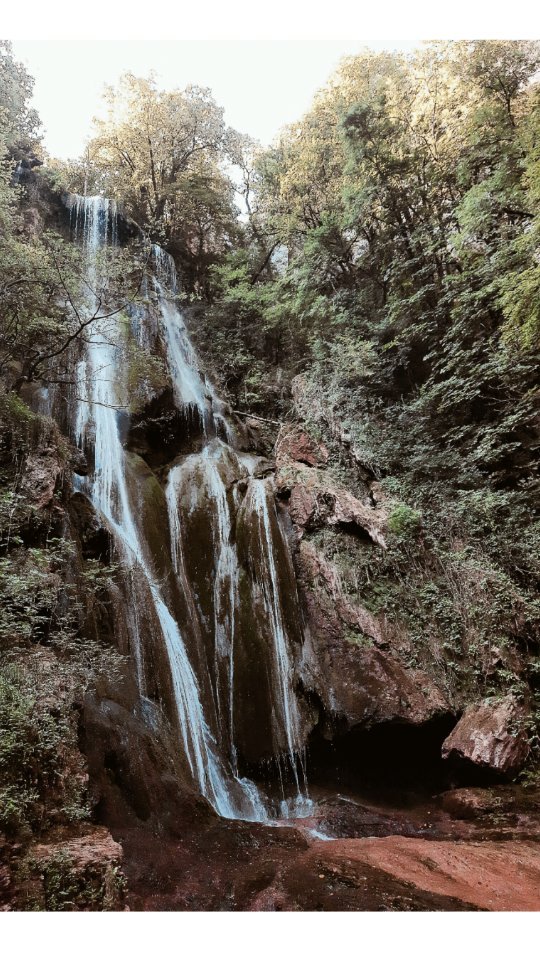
421, 858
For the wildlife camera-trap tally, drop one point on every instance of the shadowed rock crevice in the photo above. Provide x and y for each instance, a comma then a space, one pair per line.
388, 756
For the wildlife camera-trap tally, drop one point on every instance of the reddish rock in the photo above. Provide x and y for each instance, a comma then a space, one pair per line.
343, 661
491, 734
347, 660
215, 864
232, 865
316, 570
294, 443
436, 875
316, 501
41, 476
95, 848
71, 873
314, 498
303, 507
365, 686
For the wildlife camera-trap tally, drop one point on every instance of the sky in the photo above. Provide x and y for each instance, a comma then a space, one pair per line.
264, 61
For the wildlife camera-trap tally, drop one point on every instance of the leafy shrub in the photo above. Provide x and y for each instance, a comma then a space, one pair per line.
404, 521
41, 768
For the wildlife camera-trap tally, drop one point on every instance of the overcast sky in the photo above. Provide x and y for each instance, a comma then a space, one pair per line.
263, 61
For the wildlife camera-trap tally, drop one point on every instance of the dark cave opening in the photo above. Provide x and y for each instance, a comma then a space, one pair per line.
391, 760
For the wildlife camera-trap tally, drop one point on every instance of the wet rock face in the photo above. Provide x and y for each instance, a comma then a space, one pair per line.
266, 573
491, 735
234, 566
95, 539
135, 765
161, 430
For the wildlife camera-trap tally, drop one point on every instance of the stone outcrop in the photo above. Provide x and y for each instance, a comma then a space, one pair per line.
351, 660
310, 405
315, 500
295, 444
69, 869
402, 873
81, 873
346, 662
43, 470
315, 569
492, 735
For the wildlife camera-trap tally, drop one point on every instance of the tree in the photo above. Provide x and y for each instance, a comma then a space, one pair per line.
19, 122
163, 155
46, 309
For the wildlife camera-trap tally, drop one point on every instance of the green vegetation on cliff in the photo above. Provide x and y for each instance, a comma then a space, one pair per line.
390, 258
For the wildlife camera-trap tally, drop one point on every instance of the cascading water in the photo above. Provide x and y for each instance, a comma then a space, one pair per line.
207, 734
189, 388
285, 712
286, 716
108, 490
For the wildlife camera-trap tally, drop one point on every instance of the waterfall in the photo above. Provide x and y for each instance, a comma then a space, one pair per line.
286, 708
189, 387
94, 221
225, 587
207, 734
286, 715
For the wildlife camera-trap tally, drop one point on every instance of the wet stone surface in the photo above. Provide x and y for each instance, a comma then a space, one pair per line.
376, 857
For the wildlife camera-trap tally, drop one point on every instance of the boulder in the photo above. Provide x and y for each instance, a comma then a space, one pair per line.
492, 735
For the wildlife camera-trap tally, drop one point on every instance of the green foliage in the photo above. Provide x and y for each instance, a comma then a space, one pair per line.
165, 156
411, 225
19, 122
404, 521
60, 884
33, 743
48, 659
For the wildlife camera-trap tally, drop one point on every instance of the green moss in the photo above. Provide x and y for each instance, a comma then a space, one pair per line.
14, 409
151, 515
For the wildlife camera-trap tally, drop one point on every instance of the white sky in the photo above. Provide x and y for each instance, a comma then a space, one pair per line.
263, 61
